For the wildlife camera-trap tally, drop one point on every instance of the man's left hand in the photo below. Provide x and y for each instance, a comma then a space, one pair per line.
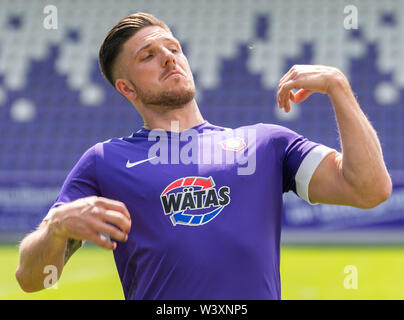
307, 79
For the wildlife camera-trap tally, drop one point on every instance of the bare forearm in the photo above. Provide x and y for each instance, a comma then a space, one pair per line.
61, 235
357, 177
362, 158
38, 250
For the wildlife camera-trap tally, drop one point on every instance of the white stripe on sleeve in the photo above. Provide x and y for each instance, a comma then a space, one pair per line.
307, 168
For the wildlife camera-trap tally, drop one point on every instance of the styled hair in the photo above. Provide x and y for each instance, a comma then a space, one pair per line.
118, 35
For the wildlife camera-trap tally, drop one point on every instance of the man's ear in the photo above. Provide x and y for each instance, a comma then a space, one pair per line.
125, 87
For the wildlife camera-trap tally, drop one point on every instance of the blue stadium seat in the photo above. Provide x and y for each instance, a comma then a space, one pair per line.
238, 50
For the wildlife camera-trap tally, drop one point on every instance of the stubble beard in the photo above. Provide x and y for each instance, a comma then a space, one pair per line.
167, 98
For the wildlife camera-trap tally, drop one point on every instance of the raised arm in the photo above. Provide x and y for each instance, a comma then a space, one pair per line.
357, 176
57, 237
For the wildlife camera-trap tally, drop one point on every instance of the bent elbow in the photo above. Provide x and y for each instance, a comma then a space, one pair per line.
386, 191
24, 285
378, 194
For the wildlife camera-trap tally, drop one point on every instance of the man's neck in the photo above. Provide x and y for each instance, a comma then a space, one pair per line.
172, 119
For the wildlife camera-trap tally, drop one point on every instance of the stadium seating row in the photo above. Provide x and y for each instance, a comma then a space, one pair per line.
238, 50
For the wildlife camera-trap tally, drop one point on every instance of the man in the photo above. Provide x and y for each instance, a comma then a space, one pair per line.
202, 229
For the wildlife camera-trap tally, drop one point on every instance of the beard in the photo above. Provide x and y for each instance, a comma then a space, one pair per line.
174, 99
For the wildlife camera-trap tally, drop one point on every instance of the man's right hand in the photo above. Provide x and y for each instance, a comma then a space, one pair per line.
88, 218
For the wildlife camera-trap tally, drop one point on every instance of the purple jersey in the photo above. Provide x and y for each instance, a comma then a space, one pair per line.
205, 205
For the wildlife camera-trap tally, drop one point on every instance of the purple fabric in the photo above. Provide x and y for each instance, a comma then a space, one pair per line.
199, 230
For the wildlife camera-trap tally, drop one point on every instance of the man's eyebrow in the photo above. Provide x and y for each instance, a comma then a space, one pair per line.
149, 44
142, 48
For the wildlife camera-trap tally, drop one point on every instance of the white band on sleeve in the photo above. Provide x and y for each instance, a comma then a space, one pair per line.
307, 168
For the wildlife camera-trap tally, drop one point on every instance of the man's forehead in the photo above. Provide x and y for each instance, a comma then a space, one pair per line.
148, 35
152, 33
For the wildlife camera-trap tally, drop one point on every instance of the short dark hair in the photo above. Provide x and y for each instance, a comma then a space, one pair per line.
118, 35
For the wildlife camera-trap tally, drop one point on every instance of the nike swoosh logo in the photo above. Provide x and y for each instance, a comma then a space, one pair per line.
132, 164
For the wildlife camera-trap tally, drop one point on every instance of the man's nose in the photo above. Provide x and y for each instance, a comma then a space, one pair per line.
169, 58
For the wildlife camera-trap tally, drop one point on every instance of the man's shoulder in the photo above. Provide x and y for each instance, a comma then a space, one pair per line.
267, 129
122, 141
115, 143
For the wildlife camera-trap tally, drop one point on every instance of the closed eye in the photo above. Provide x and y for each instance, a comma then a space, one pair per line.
149, 56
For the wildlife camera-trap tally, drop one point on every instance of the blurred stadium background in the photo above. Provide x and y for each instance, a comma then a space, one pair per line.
54, 104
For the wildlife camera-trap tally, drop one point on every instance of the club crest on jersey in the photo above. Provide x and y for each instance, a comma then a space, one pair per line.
235, 144
194, 201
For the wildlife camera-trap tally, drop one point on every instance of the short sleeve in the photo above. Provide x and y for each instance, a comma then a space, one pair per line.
301, 158
81, 181
306, 169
